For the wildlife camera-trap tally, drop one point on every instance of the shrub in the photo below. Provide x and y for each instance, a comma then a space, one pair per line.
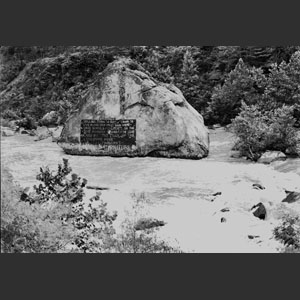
132, 240
259, 131
29, 228
57, 187
144, 241
95, 226
9, 115
27, 123
288, 232
54, 218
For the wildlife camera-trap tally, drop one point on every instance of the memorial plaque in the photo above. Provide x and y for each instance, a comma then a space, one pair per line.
108, 132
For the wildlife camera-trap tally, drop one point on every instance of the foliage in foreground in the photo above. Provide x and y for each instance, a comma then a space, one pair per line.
55, 218
288, 232
29, 228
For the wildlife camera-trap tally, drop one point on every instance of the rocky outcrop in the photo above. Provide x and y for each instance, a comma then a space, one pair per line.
166, 124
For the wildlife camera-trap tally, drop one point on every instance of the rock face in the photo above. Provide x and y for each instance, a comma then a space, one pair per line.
166, 124
270, 156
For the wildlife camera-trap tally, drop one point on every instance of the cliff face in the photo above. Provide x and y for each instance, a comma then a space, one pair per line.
164, 123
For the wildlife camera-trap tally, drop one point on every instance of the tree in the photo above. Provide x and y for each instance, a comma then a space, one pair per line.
188, 79
242, 84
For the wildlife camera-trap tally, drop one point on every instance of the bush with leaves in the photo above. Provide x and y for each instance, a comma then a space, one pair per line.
95, 226
31, 228
27, 123
133, 240
288, 232
57, 187
257, 131
9, 115
55, 218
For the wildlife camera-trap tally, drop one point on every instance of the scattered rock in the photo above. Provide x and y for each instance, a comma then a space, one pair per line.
270, 156
217, 194
6, 131
251, 237
25, 196
216, 126
166, 124
259, 211
92, 187
292, 197
258, 186
225, 209
24, 131
147, 223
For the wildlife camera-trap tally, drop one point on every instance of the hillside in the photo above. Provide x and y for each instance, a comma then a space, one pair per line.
37, 80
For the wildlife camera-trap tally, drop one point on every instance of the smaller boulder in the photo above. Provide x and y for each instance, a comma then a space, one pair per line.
24, 131
270, 156
93, 187
236, 154
217, 126
292, 197
217, 194
251, 237
42, 133
258, 186
226, 209
49, 119
259, 211
148, 223
56, 133
6, 131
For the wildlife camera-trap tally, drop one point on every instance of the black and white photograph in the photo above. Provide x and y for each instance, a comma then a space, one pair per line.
150, 149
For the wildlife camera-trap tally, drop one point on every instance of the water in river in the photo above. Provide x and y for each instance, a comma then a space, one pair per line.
176, 189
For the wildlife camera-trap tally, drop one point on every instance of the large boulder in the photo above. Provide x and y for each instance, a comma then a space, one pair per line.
166, 124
